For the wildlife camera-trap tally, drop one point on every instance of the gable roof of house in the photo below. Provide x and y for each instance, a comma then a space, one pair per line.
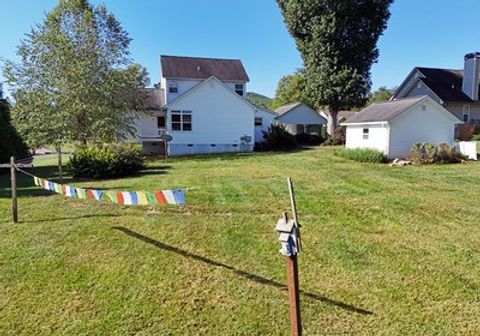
203, 68
286, 108
384, 111
446, 84
202, 83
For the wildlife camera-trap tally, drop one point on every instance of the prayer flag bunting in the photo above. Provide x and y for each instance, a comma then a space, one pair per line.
175, 196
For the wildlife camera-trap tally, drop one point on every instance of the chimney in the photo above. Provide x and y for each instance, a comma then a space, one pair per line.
471, 75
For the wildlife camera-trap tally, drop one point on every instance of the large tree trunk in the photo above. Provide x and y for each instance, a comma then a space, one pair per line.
60, 168
332, 122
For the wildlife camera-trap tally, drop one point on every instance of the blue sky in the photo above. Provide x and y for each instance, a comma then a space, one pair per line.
435, 33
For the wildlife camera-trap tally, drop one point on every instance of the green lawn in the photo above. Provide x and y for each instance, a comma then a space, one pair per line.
387, 251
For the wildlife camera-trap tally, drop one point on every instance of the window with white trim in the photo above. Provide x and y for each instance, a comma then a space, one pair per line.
258, 121
365, 133
181, 120
172, 87
466, 113
239, 89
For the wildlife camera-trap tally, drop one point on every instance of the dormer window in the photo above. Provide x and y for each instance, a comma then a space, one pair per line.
239, 89
172, 87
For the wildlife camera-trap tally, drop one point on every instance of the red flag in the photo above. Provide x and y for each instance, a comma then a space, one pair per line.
120, 198
159, 197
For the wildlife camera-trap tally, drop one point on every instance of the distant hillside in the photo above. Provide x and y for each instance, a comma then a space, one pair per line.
259, 100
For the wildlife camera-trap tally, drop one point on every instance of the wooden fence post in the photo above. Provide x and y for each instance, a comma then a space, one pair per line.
13, 180
59, 159
293, 292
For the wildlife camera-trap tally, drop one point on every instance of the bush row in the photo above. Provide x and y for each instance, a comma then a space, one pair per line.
278, 138
428, 153
106, 160
361, 155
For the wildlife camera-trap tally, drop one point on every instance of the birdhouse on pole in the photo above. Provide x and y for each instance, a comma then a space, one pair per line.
288, 236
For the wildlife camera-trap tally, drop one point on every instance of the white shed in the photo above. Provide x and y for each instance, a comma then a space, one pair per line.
300, 118
393, 127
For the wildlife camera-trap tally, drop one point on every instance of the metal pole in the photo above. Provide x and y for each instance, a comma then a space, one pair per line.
13, 180
165, 148
293, 293
294, 209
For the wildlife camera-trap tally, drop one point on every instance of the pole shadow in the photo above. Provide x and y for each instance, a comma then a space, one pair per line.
249, 276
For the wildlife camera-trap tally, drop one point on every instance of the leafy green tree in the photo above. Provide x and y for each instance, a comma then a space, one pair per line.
337, 40
382, 94
11, 144
291, 89
75, 80
260, 100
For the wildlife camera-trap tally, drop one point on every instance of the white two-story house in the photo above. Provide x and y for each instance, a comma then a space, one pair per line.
201, 103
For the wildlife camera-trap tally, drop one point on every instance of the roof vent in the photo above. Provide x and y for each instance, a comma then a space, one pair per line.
198, 68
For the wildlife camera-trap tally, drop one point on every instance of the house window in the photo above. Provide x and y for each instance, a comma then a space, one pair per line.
161, 122
181, 120
365, 133
239, 89
466, 113
172, 87
258, 121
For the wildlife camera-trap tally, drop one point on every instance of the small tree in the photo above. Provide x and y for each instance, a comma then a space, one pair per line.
337, 40
291, 89
75, 80
382, 94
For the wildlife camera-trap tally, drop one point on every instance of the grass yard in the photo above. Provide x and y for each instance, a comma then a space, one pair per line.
387, 251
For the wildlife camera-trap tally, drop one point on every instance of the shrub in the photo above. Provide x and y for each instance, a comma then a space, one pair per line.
338, 137
361, 154
106, 160
428, 153
309, 139
277, 138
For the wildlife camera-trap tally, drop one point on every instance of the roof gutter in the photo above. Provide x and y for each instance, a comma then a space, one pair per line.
364, 123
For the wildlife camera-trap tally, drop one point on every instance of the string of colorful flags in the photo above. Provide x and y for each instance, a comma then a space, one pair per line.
175, 196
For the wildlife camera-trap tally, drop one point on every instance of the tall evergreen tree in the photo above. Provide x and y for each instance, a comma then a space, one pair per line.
337, 40
75, 80
11, 144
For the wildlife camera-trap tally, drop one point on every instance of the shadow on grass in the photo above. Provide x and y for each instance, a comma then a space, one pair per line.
249, 276
64, 218
238, 156
26, 187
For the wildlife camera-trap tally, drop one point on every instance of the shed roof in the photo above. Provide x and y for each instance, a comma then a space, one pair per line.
203, 68
384, 111
286, 108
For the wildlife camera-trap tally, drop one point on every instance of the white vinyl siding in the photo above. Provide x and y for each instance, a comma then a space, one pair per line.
219, 119
373, 136
410, 128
